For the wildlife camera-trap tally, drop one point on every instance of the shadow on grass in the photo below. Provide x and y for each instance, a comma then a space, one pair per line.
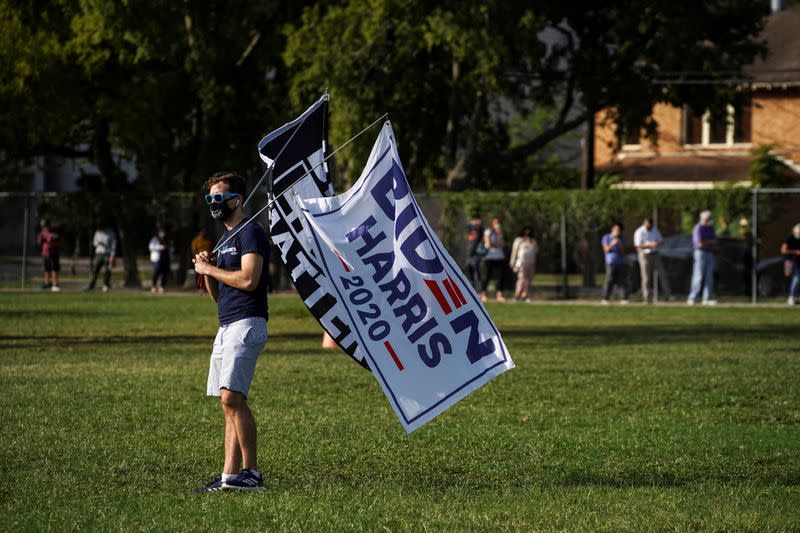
446, 479
288, 342
588, 335
48, 314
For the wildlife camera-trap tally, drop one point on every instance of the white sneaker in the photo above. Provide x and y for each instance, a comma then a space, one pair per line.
690, 302
791, 300
105, 288
709, 302
604, 302
55, 288
624, 302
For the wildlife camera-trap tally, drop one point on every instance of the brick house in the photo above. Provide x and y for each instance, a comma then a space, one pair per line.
696, 151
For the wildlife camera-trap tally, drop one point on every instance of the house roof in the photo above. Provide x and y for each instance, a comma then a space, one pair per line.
782, 64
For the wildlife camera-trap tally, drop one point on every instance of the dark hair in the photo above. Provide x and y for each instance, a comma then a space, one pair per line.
526, 231
621, 227
648, 220
235, 182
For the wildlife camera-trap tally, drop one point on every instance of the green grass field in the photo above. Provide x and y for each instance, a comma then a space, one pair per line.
616, 418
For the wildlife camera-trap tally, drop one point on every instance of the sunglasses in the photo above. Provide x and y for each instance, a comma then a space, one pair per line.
220, 197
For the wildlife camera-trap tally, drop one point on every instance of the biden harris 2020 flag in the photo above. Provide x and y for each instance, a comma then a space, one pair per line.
293, 150
421, 327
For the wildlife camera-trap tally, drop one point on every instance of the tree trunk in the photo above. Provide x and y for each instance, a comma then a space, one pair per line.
451, 135
587, 174
114, 181
459, 177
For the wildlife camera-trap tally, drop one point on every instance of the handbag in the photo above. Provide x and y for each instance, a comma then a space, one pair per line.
481, 250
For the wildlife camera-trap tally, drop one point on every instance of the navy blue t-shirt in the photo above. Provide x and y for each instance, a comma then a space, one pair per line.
235, 304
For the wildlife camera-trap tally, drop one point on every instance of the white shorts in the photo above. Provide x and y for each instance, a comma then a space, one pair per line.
233, 358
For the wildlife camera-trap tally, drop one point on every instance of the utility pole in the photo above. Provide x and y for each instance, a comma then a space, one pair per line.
587, 182
587, 166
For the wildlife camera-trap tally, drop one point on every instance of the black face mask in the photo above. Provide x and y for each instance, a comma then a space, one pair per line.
223, 211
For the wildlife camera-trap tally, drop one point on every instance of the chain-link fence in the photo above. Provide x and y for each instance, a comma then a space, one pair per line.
567, 225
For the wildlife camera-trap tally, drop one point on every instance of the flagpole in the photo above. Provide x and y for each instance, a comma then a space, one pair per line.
295, 182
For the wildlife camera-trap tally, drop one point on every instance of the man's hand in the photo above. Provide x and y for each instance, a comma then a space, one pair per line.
201, 267
202, 262
112, 261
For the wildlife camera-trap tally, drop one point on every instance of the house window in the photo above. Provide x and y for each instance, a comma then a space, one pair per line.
631, 137
693, 124
705, 130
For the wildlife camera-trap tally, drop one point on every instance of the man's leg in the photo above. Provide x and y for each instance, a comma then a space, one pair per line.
608, 281
107, 274
644, 275
662, 274
622, 279
238, 414
233, 451
794, 285
96, 266
708, 284
697, 275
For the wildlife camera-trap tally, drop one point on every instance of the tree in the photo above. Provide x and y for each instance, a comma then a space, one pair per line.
178, 88
455, 75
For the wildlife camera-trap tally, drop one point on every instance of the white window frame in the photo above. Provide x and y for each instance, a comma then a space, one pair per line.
705, 132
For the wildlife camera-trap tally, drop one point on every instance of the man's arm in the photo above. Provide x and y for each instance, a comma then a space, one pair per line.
211, 287
246, 278
785, 250
607, 247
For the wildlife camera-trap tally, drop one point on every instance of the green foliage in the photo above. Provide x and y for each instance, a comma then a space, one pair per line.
767, 170
477, 98
614, 419
459, 78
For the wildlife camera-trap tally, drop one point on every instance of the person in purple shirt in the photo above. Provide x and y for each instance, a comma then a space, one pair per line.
703, 240
616, 268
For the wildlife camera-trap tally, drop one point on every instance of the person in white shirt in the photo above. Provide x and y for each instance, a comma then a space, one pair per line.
160, 257
523, 262
105, 251
647, 240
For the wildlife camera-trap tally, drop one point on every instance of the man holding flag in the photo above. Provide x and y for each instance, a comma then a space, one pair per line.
236, 279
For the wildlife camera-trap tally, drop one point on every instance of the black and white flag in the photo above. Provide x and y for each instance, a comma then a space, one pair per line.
295, 149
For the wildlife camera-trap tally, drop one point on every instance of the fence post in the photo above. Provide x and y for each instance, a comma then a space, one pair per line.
656, 271
564, 276
27, 215
754, 251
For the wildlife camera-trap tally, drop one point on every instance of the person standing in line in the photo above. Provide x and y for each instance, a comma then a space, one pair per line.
495, 260
704, 239
475, 251
647, 240
616, 269
791, 255
160, 258
523, 262
104, 242
50, 241
237, 282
